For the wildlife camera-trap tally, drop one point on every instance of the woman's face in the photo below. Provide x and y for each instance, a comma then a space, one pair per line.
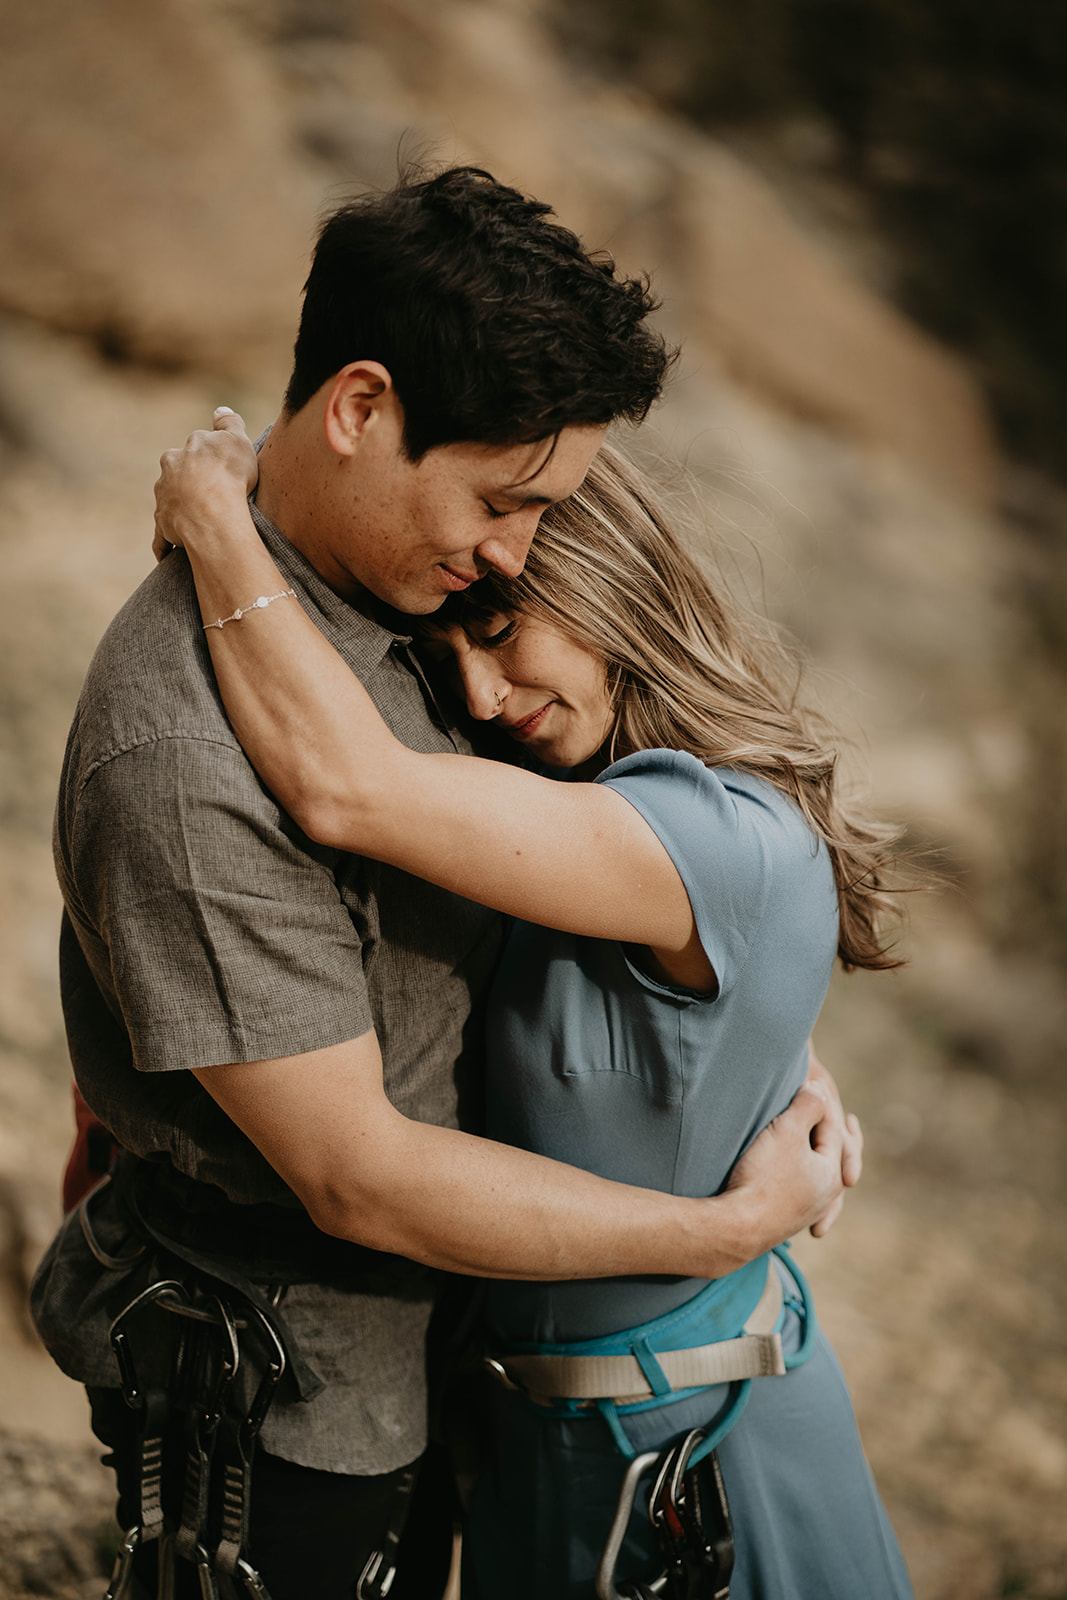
547, 692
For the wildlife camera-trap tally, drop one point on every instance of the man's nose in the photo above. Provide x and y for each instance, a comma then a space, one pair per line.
485, 687
506, 550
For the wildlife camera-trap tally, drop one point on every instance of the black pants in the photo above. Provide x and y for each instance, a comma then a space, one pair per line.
311, 1532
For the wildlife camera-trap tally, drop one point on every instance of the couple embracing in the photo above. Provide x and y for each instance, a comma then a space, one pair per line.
451, 887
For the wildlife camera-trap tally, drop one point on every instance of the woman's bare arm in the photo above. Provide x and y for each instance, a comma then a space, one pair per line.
571, 856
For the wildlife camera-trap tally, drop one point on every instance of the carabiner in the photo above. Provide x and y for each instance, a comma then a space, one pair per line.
639, 1467
120, 1342
697, 1567
122, 1573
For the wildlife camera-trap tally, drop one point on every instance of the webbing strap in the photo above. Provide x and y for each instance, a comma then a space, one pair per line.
150, 1463
757, 1353
237, 1443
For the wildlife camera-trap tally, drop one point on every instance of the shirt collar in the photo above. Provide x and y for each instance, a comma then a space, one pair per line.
363, 643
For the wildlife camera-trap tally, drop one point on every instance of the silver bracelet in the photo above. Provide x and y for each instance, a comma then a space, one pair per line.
257, 605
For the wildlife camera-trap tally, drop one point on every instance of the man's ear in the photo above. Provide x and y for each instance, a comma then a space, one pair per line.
358, 399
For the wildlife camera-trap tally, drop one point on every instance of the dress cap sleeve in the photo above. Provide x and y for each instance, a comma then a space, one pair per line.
722, 830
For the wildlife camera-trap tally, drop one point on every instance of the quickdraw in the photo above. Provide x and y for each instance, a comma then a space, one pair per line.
182, 1378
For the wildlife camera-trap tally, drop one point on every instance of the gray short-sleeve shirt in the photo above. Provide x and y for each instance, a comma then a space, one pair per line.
202, 927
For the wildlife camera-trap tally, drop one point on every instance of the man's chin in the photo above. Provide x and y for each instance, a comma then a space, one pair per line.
413, 602
422, 605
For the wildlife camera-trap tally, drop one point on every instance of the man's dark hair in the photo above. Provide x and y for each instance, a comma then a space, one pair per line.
493, 321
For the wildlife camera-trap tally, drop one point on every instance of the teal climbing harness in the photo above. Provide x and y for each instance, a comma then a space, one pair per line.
728, 1333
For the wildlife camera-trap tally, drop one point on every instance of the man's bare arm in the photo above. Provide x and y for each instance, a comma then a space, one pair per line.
367, 1173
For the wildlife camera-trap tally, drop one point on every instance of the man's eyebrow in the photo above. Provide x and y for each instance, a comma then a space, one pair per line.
513, 491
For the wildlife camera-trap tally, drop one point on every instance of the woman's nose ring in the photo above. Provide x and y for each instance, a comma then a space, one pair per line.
499, 702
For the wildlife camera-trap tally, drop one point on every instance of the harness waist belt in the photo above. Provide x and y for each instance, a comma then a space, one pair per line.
756, 1353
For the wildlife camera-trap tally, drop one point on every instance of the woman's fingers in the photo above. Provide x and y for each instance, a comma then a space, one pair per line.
819, 1229
226, 420
215, 460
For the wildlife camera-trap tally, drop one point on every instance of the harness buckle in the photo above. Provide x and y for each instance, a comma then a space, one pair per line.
500, 1373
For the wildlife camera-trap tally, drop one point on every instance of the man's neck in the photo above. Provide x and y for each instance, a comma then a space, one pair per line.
287, 494
274, 491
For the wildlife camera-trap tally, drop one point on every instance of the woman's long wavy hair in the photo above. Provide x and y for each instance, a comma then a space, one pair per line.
687, 669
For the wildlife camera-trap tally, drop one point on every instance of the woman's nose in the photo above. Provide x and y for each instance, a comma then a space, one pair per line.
485, 687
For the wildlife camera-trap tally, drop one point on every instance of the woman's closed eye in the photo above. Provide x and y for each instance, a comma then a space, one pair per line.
500, 636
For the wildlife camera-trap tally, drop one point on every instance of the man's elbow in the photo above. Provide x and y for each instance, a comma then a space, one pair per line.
358, 1218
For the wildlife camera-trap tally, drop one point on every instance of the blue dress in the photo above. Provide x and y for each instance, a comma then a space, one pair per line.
594, 1062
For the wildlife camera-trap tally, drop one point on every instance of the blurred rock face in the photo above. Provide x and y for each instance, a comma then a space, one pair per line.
161, 169
149, 198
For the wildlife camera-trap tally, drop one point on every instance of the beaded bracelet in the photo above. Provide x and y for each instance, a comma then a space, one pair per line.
257, 605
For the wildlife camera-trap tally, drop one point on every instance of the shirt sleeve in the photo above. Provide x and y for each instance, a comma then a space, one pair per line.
211, 924
720, 836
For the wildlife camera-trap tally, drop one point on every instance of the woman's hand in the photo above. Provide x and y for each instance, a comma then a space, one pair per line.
201, 485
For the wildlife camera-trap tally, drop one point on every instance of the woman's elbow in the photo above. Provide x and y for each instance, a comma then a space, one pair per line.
324, 819
341, 815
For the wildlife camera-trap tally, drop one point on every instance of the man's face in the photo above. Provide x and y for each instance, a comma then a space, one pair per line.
413, 533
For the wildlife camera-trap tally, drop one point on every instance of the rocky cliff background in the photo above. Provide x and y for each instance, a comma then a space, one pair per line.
895, 504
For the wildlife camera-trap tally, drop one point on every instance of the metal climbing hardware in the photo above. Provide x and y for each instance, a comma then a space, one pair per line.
376, 1579
180, 1348
606, 1589
122, 1575
690, 1516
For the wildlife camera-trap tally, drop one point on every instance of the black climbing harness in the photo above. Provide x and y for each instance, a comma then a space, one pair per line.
201, 1349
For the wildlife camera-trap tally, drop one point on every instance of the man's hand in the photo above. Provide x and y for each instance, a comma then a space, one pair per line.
791, 1176
213, 472
851, 1135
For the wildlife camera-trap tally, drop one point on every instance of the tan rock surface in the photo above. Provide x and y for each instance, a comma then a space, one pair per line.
856, 514
761, 296
149, 193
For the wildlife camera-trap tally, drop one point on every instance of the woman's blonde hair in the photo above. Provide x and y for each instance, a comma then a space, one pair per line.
688, 670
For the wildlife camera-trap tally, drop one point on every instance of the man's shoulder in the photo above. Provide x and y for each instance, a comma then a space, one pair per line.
151, 676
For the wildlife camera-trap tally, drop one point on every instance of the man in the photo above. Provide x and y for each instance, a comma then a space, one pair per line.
281, 1036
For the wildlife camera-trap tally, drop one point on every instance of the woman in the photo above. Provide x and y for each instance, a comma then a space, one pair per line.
679, 904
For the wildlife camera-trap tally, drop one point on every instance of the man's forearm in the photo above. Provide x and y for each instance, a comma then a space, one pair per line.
470, 1205
473, 1206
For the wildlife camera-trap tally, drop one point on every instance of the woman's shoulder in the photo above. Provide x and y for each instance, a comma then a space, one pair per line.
678, 776
742, 848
